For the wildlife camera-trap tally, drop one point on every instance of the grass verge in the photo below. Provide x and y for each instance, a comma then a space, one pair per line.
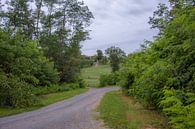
91, 75
122, 112
44, 101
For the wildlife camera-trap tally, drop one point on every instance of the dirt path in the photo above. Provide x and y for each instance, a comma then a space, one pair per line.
74, 113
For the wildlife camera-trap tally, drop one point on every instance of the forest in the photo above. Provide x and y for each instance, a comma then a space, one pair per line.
40, 48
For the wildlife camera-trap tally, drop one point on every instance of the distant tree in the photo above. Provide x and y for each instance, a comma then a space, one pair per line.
115, 55
99, 55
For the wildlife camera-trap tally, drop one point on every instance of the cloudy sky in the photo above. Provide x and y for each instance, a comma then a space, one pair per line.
121, 23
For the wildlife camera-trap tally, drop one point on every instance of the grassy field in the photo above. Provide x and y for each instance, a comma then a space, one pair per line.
122, 112
44, 101
91, 75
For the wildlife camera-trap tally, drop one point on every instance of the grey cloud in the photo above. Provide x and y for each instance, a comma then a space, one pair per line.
123, 23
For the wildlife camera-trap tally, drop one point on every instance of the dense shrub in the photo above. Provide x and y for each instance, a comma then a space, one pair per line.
56, 88
23, 67
162, 74
25, 60
180, 107
108, 79
14, 92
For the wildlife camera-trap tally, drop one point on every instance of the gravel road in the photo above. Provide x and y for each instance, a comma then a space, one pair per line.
74, 113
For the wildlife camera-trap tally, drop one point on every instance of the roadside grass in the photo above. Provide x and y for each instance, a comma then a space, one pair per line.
44, 101
122, 112
91, 75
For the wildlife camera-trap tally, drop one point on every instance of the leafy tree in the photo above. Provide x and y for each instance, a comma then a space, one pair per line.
115, 55
99, 55
22, 67
62, 43
20, 18
160, 17
40, 47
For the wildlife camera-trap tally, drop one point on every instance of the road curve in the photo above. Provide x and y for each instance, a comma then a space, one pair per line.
74, 113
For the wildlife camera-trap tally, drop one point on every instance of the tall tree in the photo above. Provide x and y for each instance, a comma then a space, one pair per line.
65, 29
160, 17
39, 4
20, 17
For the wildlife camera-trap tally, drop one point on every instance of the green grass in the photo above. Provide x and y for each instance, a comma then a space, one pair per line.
122, 112
44, 101
91, 75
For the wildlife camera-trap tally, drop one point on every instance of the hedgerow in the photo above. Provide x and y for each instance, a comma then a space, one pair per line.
162, 75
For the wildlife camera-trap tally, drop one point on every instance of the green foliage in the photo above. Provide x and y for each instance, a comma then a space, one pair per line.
14, 92
25, 60
56, 88
116, 56
108, 79
180, 108
23, 66
40, 48
162, 73
99, 55
87, 61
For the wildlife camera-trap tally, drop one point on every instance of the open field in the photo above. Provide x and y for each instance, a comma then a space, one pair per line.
91, 75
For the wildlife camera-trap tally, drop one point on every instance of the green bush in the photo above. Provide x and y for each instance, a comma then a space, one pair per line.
25, 60
109, 79
180, 107
14, 92
56, 88
162, 74
80, 81
22, 67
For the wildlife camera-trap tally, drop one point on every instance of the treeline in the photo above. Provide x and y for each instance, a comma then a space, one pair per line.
162, 75
97, 59
40, 46
112, 56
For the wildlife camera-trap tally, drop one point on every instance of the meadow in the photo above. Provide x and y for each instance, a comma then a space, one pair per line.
91, 75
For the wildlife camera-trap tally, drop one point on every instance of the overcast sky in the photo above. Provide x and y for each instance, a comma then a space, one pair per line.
121, 23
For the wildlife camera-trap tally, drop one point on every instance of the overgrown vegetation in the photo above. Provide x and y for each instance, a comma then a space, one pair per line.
162, 74
40, 48
110, 79
121, 112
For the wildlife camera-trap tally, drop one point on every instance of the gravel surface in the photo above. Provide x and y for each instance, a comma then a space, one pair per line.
74, 113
